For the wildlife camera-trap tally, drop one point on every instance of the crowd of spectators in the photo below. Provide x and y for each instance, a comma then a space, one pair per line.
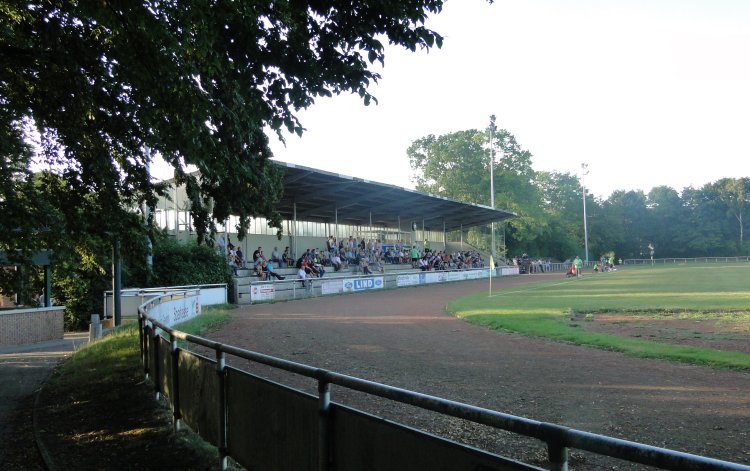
365, 256
529, 265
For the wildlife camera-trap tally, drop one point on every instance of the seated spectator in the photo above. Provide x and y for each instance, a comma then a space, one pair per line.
269, 272
275, 257
302, 275
260, 272
364, 262
336, 262
286, 259
423, 264
257, 253
240, 258
232, 261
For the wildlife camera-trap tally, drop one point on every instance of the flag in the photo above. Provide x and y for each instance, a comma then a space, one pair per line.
492, 263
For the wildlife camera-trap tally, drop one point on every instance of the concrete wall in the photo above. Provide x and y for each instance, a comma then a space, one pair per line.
23, 326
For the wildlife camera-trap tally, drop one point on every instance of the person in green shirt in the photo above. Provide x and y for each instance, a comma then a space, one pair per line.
414, 256
578, 265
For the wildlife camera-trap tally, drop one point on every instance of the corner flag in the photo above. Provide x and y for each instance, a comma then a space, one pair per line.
492, 268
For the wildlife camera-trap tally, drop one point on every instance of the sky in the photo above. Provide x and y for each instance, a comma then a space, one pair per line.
645, 92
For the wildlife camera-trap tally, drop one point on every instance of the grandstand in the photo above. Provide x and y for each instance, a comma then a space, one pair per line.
316, 204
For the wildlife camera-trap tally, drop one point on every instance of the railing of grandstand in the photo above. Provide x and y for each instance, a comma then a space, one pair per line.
559, 439
665, 261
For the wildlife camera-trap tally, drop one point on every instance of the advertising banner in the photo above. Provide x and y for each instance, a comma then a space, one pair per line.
263, 292
332, 287
363, 284
175, 311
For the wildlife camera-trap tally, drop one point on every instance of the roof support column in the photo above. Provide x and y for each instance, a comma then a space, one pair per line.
294, 239
336, 220
462, 236
445, 237
371, 230
398, 233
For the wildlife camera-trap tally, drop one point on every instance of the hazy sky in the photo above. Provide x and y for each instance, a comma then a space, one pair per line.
647, 93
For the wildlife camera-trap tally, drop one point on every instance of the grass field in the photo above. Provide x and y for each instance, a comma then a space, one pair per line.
563, 309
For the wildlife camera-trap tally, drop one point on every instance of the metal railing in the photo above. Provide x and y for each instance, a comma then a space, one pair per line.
558, 439
664, 261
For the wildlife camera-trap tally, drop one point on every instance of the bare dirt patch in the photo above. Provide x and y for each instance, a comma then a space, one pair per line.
720, 331
406, 339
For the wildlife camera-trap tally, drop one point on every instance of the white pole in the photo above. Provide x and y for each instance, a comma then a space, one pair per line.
584, 172
492, 177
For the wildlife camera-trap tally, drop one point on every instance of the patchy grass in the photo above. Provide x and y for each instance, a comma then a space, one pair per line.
98, 411
557, 310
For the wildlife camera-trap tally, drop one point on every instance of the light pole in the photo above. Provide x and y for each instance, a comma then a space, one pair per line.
584, 172
491, 133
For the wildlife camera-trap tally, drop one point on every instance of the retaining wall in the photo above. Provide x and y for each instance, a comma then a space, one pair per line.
23, 326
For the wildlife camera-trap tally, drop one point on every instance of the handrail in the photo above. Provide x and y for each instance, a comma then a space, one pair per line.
557, 437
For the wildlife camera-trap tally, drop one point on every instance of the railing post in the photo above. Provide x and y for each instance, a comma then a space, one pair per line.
221, 373
175, 354
145, 332
156, 378
324, 406
558, 457
554, 436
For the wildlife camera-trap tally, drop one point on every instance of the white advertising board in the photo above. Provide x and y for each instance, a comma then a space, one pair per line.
363, 284
263, 292
175, 311
332, 287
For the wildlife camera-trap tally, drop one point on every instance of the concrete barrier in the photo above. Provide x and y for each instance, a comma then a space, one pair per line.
24, 326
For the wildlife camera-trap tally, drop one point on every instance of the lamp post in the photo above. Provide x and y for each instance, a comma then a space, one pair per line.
584, 172
491, 133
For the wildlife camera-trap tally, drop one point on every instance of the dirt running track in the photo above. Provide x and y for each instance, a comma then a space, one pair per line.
405, 338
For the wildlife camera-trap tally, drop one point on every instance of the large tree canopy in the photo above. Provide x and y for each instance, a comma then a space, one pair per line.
102, 84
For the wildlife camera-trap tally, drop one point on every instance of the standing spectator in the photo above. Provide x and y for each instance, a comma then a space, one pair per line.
578, 265
414, 256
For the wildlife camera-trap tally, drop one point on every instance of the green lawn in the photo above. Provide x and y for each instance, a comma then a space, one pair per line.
544, 309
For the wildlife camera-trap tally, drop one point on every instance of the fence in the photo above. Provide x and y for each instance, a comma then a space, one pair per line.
264, 291
664, 261
132, 298
266, 425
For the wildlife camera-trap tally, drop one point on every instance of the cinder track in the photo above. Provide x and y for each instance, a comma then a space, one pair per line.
405, 338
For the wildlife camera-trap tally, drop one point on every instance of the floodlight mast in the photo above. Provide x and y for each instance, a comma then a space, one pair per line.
491, 135
584, 172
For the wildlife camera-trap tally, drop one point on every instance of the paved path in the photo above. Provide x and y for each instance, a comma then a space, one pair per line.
23, 369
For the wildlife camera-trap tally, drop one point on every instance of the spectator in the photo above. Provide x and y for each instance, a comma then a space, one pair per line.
269, 272
275, 257
240, 258
232, 261
364, 262
336, 262
286, 258
302, 275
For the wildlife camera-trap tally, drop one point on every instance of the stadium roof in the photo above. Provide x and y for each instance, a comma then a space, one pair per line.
328, 197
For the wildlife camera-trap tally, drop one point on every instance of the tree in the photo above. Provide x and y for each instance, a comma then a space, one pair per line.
734, 193
456, 165
103, 84
669, 221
